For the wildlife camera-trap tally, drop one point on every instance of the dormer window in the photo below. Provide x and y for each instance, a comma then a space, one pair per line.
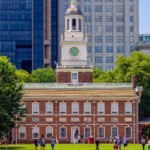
73, 24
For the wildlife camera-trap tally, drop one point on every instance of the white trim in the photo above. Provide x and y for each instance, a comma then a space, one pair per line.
38, 129
112, 107
47, 132
46, 106
89, 103
22, 132
72, 107
84, 131
98, 104
131, 132
98, 132
117, 130
60, 132
33, 107
65, 107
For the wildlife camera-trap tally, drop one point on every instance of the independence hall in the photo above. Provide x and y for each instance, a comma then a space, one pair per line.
74, 105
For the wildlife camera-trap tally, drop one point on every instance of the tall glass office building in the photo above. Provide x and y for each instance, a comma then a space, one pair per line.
111, 25
25, 27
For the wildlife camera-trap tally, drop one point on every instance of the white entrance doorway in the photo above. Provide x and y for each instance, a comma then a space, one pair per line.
74, 134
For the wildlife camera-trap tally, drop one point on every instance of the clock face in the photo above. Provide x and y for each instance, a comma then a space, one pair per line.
74, 51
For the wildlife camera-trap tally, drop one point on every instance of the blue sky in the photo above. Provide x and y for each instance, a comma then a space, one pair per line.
144, 21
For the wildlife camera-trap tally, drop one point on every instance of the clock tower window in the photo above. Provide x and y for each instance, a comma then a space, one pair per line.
73, 24
79, 24
68, 21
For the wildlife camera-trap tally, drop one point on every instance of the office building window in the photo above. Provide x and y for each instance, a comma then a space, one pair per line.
35, 133
101, 108
49, 108
109, 19
87, 19
98, 59
98, 49
114, 132
109, 29
109, 68
114, 108
98, 18
87, 108
98, 29
98, 38
109, 38
87, 8
128, 132
49, 132
120, 39
22, 132
120, 49
101, 132
98, 8
35, 108
75, 108
109, 49
62, 108
128, 108
87, 132
63, 133
109, 59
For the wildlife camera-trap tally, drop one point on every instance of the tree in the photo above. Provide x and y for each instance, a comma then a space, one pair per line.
23, 76
43, 75
10, 97
137, 64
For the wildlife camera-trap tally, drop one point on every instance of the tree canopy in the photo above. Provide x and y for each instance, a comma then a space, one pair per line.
10, 96
43, 75
137, 64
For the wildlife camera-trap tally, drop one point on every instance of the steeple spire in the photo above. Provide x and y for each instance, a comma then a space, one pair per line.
73, 3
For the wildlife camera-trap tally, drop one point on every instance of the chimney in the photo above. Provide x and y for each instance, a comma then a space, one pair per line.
134, 81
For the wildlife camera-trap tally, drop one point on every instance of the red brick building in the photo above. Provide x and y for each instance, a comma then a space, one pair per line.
74, 105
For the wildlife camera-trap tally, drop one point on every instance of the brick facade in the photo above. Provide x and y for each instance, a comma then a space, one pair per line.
96, 121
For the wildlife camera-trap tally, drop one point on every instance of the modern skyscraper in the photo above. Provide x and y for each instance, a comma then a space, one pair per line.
25, 32
111, 25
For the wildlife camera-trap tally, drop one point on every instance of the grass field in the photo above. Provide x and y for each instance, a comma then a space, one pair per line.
72, 147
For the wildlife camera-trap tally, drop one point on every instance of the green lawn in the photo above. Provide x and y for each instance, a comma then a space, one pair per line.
72, 147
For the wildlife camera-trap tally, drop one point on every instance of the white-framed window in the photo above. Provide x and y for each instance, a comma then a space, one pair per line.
87, 132
114, 131
49, 108
128, 108
62, 107
74, 77
87, 108
35, 133
101, 108
63, 132
101, 132
22, 132
35, 108
49, 132
114, 108
75, 108
128, 132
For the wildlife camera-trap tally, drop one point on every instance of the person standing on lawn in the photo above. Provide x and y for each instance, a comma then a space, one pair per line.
97, 144
125, 143
143, 141
36, 144
52, 143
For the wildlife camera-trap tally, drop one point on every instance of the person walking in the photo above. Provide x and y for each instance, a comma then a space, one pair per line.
119, 142
148, 144
115, 143
52, 143
42, 144
143, 141
125, 143
79, 139
97, 144
36, 144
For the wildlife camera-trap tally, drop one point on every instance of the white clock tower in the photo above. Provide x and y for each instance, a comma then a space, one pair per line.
74, 65
73, 41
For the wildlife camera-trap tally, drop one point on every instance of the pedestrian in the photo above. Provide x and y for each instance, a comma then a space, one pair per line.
79, 139
115, 143
52, 143
143, 141
119, 142
42, 144
125, 143
97, 144
148, 144
36, 144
